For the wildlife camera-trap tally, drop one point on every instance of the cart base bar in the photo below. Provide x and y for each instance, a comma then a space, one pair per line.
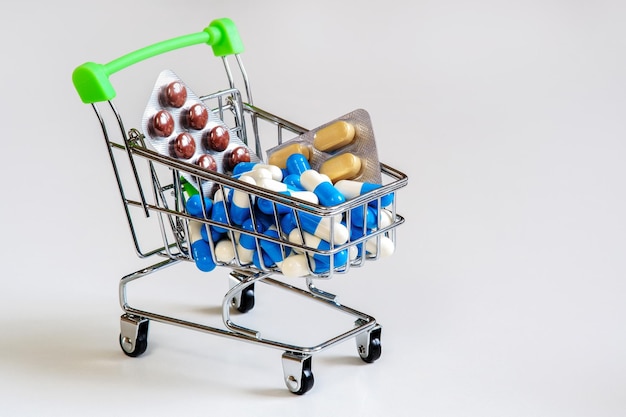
296, 360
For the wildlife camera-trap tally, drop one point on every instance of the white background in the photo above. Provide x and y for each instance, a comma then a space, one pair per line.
505, 296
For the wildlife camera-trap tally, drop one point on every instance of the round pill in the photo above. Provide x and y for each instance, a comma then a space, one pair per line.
237, 155
218, 138
175, 94
197, 116
184, 146
207, 162
163, 123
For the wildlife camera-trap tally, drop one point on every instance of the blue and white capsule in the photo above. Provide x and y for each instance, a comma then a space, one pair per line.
321, 185
246, 245
326, 228
200, 249
293, 182
240, 202
311, 241
251, 167
195, 207
267, 261
299, 265
273, 249
351, 189
215, 235
218, 213
297, 164
358, 219
267, 206
379, 245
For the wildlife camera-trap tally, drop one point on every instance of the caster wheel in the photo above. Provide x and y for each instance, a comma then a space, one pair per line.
245, 301
306, 382
297, 372
369, 346
134, 337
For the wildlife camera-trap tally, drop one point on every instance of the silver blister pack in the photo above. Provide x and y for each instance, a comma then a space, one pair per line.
362, 146
169, 115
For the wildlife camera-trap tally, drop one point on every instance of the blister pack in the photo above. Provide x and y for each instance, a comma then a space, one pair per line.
178, 124
344, 148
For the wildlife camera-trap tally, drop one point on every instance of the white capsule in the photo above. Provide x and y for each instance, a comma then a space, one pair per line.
245, 255
224, 251
275, 172
385, 245
200, 249
307, 196
295, 265
311, 241
194, 231
326, 228
259, 174
273, 185
353, 252
386, 218
218, 196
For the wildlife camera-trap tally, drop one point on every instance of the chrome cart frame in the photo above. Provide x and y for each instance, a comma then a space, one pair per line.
152, 191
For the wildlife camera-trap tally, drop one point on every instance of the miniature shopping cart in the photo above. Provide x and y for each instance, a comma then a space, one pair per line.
154, 188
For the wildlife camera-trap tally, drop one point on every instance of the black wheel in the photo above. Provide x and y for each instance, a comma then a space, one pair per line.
375, 350
306, 382
246, 300
374, 347
141, 343
306, 379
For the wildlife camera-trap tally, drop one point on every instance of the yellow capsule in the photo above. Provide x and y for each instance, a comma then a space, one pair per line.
279, 158
334, 136
345, 166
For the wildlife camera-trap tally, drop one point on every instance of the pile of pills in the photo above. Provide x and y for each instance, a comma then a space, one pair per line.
284, 239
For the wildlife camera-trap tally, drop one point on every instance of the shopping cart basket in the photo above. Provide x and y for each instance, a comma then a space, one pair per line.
154, 188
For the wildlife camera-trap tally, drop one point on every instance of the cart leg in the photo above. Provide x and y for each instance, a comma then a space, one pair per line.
134, 334
368, 343
297, 371
244, 300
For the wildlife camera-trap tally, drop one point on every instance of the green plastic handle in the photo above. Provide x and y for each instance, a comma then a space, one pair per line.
91, 80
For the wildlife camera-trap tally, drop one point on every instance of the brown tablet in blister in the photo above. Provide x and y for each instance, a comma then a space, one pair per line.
184, 146
197, 116
175, 94
206, 161
162, 123
177, 123
218, 138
